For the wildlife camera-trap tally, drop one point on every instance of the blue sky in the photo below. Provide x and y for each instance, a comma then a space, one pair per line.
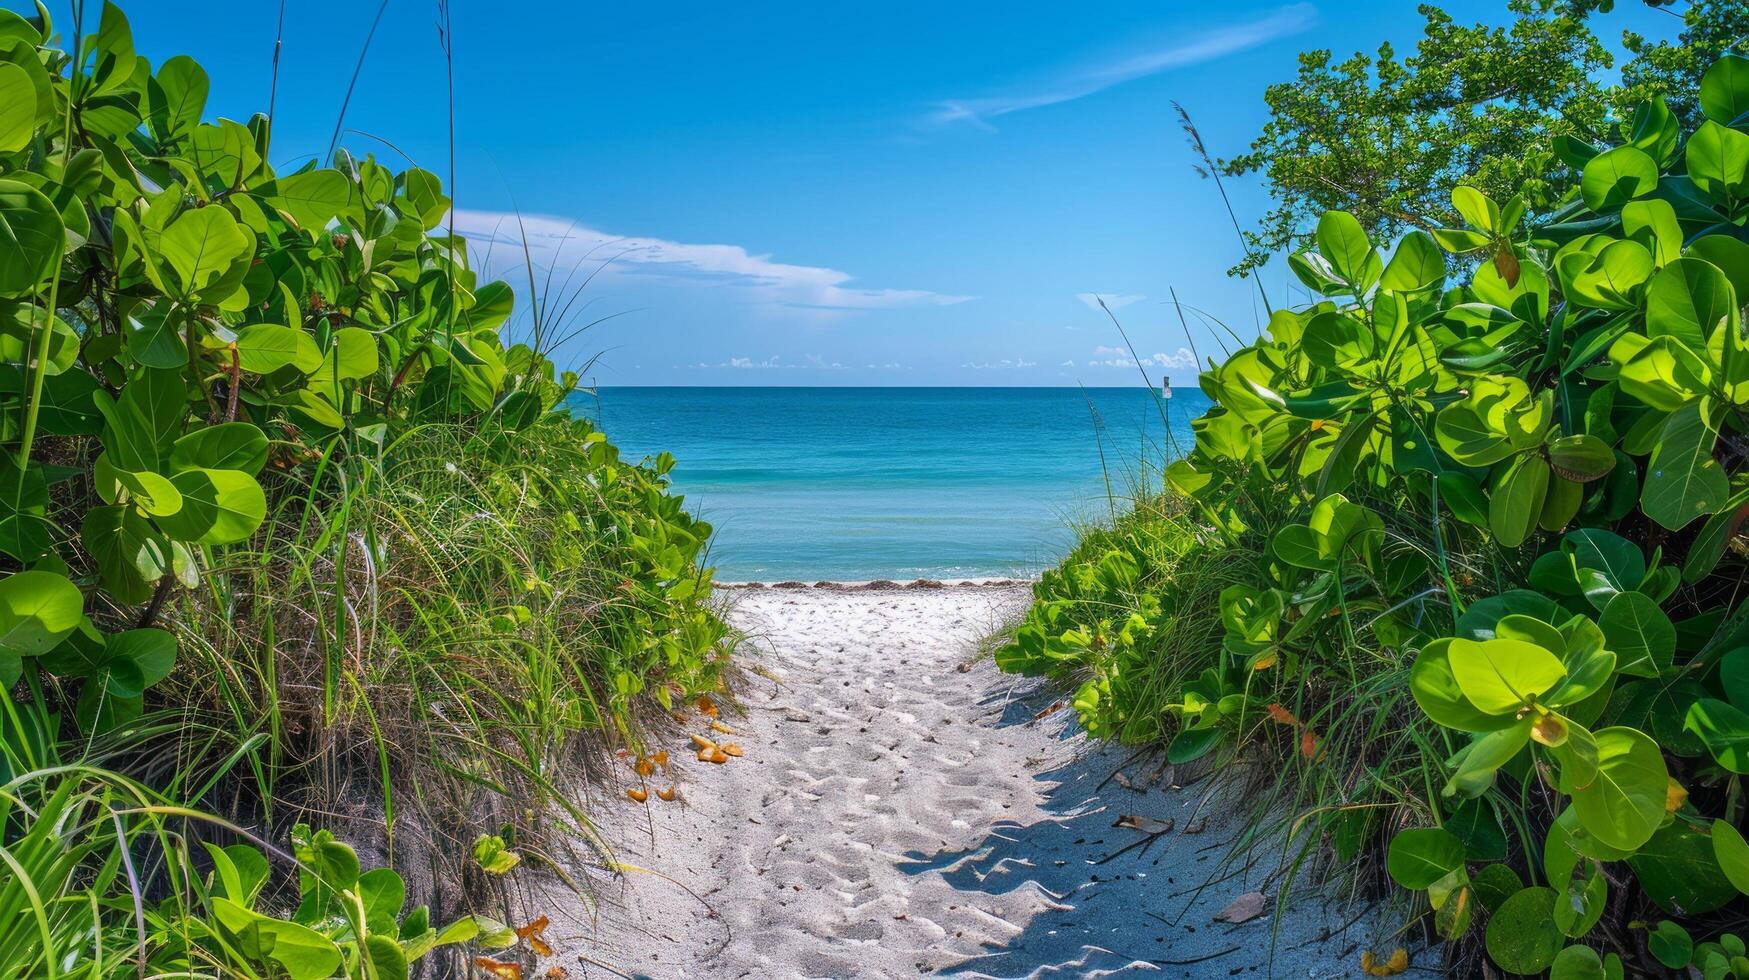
827, 194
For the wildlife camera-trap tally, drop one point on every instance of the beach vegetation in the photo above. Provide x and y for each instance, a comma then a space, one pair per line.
297, 539
1488, 647
1498, 107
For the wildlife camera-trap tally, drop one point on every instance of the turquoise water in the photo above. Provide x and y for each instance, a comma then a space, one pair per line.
862, 483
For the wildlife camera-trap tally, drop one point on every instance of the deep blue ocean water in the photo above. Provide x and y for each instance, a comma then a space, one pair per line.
862, 483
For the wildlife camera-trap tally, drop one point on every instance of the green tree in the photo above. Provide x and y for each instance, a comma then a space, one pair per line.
1386, 137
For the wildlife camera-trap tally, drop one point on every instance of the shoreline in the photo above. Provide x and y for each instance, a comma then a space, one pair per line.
879, 584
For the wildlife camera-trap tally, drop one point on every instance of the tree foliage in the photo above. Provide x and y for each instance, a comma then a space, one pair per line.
1385, 136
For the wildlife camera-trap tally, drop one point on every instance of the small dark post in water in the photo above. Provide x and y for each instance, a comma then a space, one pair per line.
1165, 387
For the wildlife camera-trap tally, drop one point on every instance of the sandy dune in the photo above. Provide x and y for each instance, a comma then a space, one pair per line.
897, 813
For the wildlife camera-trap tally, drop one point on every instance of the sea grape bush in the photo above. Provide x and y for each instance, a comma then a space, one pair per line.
207, 366
1516, 491
180, 322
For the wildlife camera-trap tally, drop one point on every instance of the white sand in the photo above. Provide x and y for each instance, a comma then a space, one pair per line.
895, 814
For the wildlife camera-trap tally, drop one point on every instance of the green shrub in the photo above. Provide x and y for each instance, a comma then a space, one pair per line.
282, 504
1496, 533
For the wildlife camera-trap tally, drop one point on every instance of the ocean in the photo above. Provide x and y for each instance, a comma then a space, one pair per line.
902, 483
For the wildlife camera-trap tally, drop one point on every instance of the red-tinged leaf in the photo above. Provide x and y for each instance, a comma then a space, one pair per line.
1506, 263
501, 969
1282, 716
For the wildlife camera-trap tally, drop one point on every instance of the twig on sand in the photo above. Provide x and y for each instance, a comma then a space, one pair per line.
728, 932
1121, 767
1196, 959
1144, 843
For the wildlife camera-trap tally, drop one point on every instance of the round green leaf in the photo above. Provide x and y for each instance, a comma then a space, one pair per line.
1581, 458
1577, 963
1679, 871
1684, 481
1436, 690
1723, 730
1687, 299
263, 348
226, 446
1640, 634
37, 609
1623, 806
313, 198
1343, 243
1494, 884
1522, 937
1718, 163
17, 108
1724, 89
1615, 177
1517, 498
1415, 265
218, 507
31, 238
1732, 853
208, 252
1671, 944
1423, 855
1501, 675
1734, 677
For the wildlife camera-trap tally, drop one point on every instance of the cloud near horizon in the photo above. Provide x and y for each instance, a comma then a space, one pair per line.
565, 245
1195, 50
1118, 357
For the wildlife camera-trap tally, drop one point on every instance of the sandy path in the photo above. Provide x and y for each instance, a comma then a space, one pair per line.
896, 814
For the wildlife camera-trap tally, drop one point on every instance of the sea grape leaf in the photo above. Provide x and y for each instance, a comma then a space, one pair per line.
1420, 856
1522, 937
1624, 805
1684, 481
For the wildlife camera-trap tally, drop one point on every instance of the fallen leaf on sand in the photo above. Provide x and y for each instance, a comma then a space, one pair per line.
1398, 962
704, 744
660, 758
1197, 826
498, 968
717, 726
707, 706
964, 668
638, 795
1047, 711
730, 748
1244, 908
668, 795
532, 934
713, 755
1147, 825
643, 766
555, 973
1122, 780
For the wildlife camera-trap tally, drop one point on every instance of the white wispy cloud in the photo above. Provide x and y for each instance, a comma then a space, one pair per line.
1116, 301
564, 245
1194, 50
1118, 357
1007, 363
813, 361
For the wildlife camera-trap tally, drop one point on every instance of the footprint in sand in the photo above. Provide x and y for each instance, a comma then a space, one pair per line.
872, 842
